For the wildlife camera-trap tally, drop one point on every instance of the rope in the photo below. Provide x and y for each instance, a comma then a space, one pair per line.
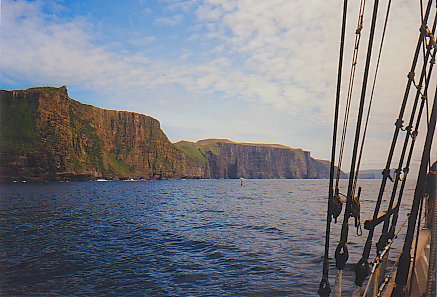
338, 283
423, 45
427, 112
401, 112
324, 288
427, 123
410, 134
427, 106
388, 277
404, 262
383, 254
370, 280
378, 260
421, 11
372, 93
410, 154
344, 230
386, 172
341, 251
350, 87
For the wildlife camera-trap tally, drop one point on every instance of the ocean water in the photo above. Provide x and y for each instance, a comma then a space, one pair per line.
170, 238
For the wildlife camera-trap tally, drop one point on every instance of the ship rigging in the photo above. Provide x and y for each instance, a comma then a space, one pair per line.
373, 273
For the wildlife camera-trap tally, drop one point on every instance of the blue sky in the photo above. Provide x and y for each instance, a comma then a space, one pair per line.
250, 71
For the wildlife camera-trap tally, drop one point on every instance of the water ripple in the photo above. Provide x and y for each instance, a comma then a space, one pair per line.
167, 238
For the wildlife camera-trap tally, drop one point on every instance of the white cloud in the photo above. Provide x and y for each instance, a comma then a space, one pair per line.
277, 58
40, 50
169, 21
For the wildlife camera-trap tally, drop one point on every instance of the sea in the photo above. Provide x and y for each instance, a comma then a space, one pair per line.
173, 238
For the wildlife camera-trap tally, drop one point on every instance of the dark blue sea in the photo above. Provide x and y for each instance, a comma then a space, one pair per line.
169, 238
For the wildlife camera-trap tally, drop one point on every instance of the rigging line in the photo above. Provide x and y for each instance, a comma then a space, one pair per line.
378, 259
372, 93
324, 288
408, 161
423, 95
388, 277
384, 237
411, 131
386, 171
427, 124
423, 44
386, 249
390, 243
370, 280
362, 267
404, 261
403, 106
427, 112
421, 11
341, 257
350, 87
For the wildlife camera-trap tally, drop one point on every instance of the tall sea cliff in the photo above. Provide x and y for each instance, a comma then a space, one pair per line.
228, 159
45, 135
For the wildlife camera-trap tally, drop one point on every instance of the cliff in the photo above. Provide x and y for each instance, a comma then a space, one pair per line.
45, 135
227, 159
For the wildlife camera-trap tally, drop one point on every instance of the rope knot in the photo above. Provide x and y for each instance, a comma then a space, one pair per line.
355, 212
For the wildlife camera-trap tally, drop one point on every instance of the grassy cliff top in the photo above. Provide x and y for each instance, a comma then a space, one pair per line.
192, 151
63, 90
198, 150
213, 141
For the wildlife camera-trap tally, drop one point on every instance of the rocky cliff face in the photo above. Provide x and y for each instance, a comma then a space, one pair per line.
45, 135
226, 159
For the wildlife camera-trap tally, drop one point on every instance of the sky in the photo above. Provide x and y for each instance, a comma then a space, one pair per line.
246, 70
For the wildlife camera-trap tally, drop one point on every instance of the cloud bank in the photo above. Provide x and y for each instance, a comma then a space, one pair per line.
251, 70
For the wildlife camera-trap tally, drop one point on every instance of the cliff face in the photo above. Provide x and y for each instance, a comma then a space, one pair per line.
45, 135
227, 159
